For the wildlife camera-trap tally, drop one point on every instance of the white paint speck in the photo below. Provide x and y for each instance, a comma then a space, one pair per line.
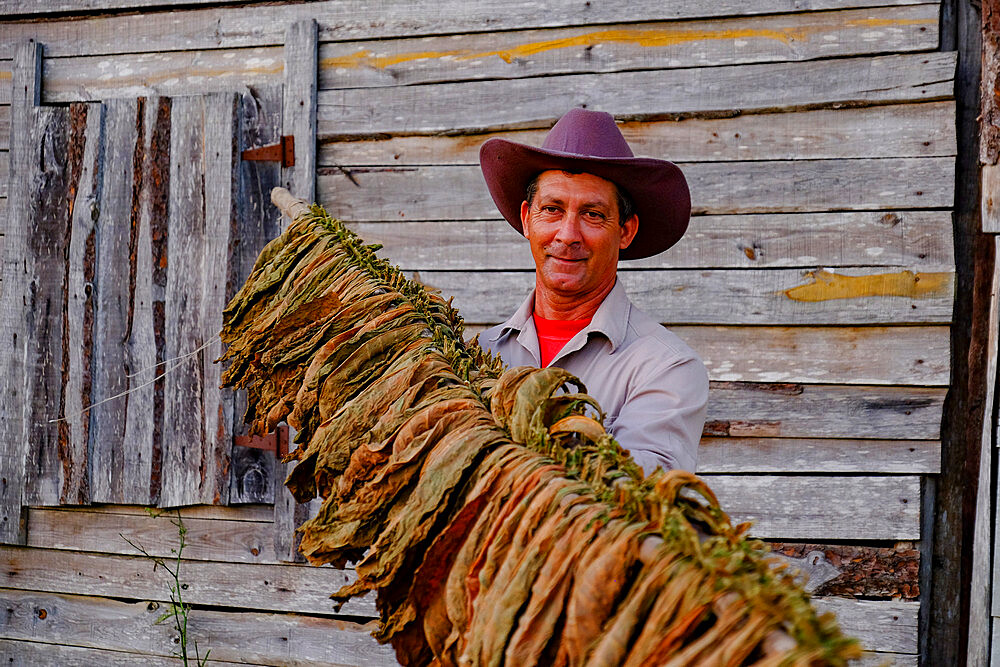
874, 252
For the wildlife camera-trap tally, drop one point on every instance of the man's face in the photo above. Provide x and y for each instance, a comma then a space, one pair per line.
575, 233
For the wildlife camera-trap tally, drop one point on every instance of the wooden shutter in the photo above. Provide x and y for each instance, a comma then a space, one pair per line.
132, 221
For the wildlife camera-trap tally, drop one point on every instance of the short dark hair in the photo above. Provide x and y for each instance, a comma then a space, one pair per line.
626, 207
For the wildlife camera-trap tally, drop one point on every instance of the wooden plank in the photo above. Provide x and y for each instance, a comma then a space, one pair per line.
251, 478
850, 355
822, 508
4, 123
984, 532
4, 173
627, 46
301, 77
817, 455
896, 130
877, 659
912, 355
301, 54
247, 586
478, 106
855, 570
373, 194
207, 539
25, 7
113, 468
776, 296
737, 409
87, 123
913, 239
23, 652
44, 306
18, 360
990, 203
340, 20
255, 513
164, 73
881, 625
256, 638
198, 417
250, 638
518, 54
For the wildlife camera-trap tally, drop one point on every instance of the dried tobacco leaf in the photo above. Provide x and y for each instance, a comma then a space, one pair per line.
523, 521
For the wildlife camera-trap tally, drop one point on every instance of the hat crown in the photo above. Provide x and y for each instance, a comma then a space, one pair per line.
587, 133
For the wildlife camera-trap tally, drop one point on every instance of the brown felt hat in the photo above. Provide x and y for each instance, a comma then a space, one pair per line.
590, 142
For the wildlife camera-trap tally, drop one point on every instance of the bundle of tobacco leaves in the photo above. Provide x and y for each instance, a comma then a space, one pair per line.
495, 519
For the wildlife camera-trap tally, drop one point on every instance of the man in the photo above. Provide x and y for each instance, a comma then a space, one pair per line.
584, 202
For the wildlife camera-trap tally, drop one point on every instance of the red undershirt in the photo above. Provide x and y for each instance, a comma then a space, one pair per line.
554, 334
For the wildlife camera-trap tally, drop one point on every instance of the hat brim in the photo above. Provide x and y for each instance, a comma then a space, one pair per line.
658, 188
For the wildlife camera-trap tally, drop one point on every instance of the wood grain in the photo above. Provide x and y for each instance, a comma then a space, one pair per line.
628, 46
896, 130
478, 106
911, 355
895, 622
741, 455
246, 637
87, 124
339, 20
737, 409
848, 355
17, 352
255, 638
161, 73
299, 119
252, 470
373, 194
822, 508
101, 531
200, 219
724, 297
43, 308
116, 244
912, 239
252, 587
516, 54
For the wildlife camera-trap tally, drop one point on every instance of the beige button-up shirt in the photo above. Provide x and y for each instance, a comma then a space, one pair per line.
651, 385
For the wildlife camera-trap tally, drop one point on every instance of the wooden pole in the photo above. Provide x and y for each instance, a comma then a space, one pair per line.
290, 205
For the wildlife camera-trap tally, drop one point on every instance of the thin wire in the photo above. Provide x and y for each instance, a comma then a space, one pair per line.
128, 391
167, 361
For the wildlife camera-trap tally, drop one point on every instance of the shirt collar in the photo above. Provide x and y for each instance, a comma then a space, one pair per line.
611, 318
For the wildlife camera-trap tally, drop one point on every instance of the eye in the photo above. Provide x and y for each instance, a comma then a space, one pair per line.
595, 216
549, 208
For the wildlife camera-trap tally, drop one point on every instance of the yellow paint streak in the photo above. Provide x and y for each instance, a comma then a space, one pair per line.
644, 38
5, 75
827, 285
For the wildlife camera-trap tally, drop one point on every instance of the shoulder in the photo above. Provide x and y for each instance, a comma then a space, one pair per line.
650, 338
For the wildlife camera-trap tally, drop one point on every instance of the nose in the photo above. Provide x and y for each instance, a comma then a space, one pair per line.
568, 231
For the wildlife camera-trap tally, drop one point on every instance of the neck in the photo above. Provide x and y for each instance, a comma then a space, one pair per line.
555, 306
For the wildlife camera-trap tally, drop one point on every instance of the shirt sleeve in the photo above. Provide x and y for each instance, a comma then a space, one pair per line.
663, 415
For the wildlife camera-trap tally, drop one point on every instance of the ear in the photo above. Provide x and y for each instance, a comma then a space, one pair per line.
524, 218
629, 229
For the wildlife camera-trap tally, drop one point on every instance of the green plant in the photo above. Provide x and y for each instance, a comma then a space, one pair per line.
178, 611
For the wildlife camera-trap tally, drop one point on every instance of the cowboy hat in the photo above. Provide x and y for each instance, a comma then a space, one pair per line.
585, 141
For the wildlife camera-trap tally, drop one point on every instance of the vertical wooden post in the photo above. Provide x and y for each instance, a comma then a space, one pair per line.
981, 580
14, 415
299, 120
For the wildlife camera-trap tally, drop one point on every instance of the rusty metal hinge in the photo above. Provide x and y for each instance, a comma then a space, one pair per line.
276, 441
283, 152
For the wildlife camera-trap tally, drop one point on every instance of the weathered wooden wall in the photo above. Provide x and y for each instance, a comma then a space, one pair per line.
816, 279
